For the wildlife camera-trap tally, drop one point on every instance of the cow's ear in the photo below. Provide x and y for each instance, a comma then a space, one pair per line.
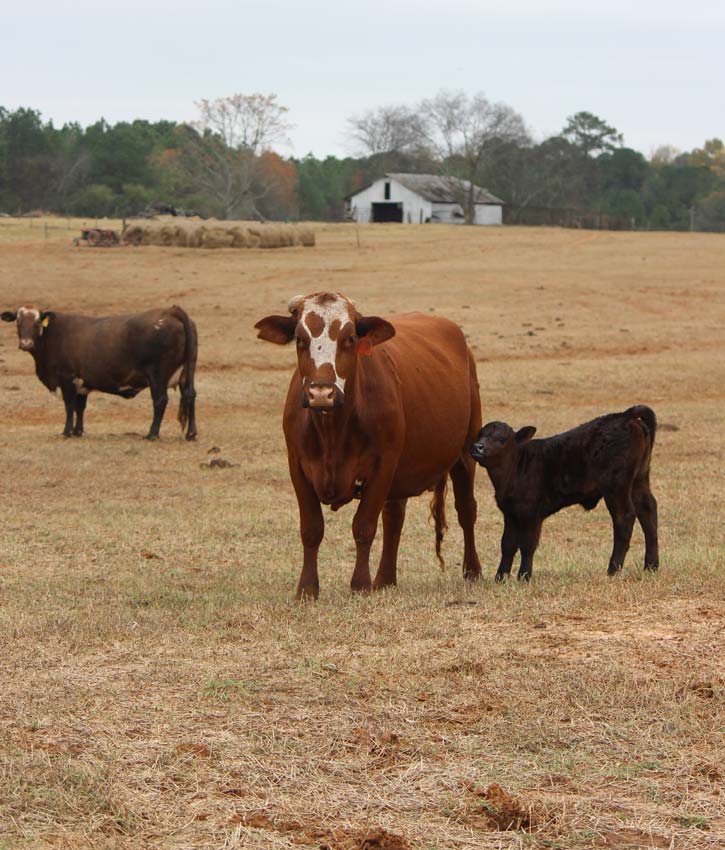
523, 435
46, 317
374, 328
277, 329
9, 316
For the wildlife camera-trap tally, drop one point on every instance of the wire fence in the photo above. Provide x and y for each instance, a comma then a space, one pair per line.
17, 228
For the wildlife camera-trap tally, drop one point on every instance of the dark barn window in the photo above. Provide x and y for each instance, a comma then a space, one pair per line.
387, 191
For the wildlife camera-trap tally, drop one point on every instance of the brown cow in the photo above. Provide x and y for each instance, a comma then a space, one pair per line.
121, 355
379, 411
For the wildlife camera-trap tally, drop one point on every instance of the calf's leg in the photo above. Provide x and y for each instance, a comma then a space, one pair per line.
528, 538
393, 519
621, 509
463, 474
645, 505
509, 547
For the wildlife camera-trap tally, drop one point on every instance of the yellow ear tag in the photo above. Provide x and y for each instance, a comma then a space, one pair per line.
45, 322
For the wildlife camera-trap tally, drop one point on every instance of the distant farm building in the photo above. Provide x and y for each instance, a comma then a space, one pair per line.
420, 198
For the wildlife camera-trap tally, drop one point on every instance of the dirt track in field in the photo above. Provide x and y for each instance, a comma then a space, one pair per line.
162, 690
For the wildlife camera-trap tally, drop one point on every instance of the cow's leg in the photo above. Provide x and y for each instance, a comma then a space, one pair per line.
462, 475
68, 391
622, 511
364, 526
645, 505
509, 547
528, 535
80, 408
312, 530
393, 519
160, 398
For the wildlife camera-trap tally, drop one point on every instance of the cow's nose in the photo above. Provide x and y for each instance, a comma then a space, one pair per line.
321, 395
26, 344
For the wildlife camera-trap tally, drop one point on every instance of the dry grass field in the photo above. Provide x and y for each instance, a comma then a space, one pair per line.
161, 689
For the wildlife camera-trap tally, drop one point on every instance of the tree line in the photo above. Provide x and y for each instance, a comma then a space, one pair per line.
224, 164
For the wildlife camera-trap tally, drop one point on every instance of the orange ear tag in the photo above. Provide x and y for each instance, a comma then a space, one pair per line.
364, 346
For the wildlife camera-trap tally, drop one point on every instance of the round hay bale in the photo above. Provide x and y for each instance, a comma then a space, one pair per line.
239, 236
181, 237
167, 234
194, 236
254, 237
216, 237
307, 236
132, 234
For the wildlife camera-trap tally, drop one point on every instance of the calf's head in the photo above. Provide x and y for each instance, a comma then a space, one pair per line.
330, 335
497, 441
31, 324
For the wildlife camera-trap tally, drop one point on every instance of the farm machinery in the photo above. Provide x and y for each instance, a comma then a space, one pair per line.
98, 237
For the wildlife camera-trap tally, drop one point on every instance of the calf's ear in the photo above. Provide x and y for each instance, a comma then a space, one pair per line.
46, 317
9, 316
374, 328
277, 329
523, 435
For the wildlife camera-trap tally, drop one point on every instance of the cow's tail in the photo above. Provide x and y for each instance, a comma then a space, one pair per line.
438, 515
187, 403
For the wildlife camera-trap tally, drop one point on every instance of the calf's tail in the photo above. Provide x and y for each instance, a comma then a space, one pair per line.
647, 419
186, 379
438, 515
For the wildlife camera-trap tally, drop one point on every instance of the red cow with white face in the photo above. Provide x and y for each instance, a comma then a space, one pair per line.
377, 410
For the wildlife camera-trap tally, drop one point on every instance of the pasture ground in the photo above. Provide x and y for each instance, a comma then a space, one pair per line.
160, 688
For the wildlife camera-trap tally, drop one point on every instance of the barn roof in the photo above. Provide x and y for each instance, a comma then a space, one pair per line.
442, 190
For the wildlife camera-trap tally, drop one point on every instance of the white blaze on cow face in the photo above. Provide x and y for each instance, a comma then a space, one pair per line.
28, 317
323, 317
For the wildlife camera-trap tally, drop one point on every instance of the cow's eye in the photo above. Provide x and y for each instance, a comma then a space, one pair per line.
502, 440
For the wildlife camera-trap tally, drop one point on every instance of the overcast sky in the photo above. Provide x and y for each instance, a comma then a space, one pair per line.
655, 70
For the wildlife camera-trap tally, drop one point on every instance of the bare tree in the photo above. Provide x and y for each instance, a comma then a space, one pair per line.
222, 149
249, 122
463, 133
386, 130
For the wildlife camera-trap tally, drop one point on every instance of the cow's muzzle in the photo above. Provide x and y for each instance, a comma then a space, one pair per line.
322, 396
26, 345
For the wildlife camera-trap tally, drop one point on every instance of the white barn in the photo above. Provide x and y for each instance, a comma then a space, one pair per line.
419, 198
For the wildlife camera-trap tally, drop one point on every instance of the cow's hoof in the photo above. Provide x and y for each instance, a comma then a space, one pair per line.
361, 588
307, 594
152, 437
67, 434
472, 575
499, 577
191, 436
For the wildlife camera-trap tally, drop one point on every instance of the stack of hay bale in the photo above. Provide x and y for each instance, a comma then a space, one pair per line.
210, 233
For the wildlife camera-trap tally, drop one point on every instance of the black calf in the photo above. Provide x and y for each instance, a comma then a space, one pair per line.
607, 458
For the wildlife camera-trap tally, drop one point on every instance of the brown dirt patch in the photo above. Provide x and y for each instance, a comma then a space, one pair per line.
326, 838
